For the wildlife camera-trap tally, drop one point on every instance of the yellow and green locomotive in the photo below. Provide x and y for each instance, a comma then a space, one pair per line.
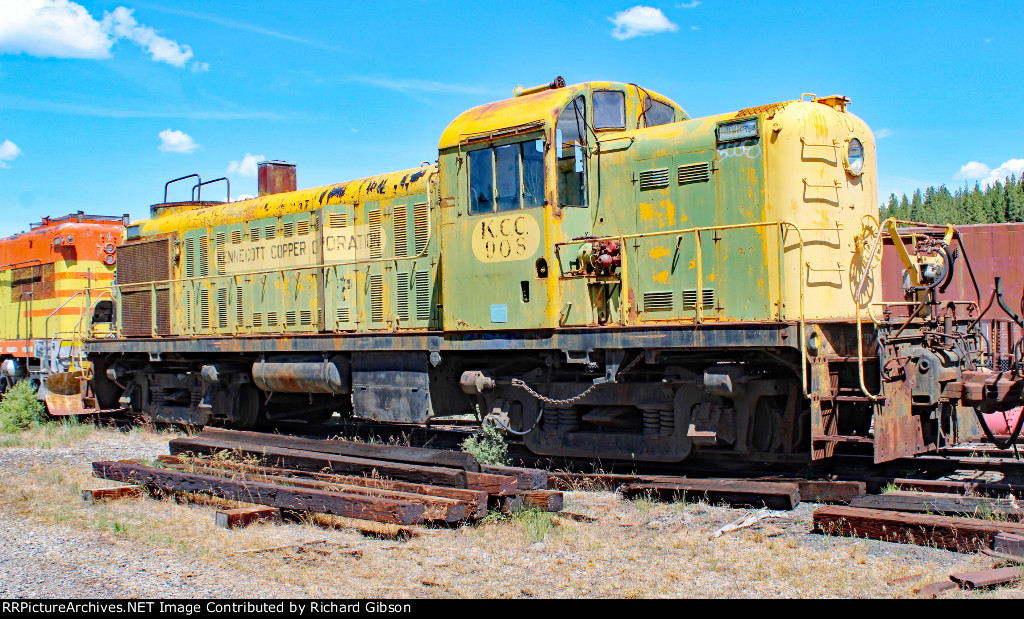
586, 266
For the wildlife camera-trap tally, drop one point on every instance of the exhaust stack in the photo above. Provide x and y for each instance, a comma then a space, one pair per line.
276, 177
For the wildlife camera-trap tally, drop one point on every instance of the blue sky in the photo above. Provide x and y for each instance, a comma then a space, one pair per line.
102, 102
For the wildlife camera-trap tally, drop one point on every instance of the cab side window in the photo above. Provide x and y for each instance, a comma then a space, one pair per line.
506, 178
571, 142
609, 109
657, 113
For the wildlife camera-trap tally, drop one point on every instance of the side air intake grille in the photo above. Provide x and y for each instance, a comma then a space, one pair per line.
707, 298
658, 301
654, 179
694, 173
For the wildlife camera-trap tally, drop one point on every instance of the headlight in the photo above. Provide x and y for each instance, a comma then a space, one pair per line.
854, 157
740, 130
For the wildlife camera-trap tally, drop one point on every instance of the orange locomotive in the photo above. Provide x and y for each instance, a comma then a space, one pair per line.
53, 279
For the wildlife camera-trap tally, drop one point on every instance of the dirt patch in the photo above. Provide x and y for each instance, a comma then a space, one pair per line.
56, 545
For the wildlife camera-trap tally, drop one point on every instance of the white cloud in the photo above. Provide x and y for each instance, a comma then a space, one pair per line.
200, 67
177, 142
883, 133
65, 29
986, 176
689, 5
244, 196
972, 170
121, 23
1013, 166
8, 151
247, 166
51, 29
640, 21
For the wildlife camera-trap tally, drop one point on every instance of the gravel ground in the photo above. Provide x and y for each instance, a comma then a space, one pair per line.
48, 561
53, 545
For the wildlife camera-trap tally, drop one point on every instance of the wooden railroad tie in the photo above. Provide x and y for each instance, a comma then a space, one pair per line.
244, 516
960, 534
98, 495
775, 495
938, 503
310, 499
392, 453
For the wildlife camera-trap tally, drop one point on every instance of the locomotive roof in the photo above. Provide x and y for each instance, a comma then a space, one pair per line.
539, 107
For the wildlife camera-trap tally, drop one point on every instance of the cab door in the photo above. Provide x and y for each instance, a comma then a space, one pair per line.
495, 235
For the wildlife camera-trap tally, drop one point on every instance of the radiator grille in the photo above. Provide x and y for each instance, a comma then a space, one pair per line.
145, 261
694, 173
288, 229
337, 220
302, 228
658, 301
37, 279
204, 308
654, 179
222, 308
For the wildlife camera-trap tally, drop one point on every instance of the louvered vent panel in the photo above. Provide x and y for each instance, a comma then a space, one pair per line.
271, 319
654, 179
239, 307
188, 312
658, 301
316, 222
290, 318
222, 308
422, 295
204, 308
401, 227
694, 173
288, 229
204, 256
270, 232
219, 247
337, 220
402, 296
257, 319
190, 257
707, 298
421, 230
376, 229
306, 317
237, 236
302, 228
377, 298
342, 314
254, 234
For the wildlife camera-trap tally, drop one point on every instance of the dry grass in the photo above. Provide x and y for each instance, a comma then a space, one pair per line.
639, 548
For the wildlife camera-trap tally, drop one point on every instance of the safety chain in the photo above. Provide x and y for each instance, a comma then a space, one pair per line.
522, 385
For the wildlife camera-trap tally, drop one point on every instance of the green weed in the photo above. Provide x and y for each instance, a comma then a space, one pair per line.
487, 446
19, 408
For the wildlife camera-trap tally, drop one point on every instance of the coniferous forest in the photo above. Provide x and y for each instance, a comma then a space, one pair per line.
997, 203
